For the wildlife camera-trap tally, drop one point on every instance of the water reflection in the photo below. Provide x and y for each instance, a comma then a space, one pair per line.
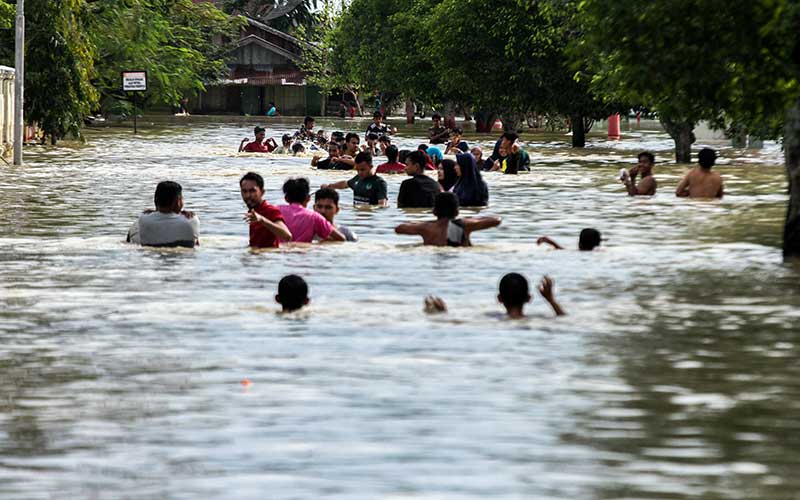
674, 375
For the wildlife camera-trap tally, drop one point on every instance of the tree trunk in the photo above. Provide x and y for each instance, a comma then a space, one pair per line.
484, 121
578, 130
409, 111
791, 144
511, 122
681, 133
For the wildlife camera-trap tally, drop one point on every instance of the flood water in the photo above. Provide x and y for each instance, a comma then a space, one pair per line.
675, 374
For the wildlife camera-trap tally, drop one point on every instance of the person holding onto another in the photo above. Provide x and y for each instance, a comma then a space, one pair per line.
267, 226
647, 184
378, 127
305, 224
306, 132
447, 230
292, 293
701, 182
368, 188
168, 225
326, 203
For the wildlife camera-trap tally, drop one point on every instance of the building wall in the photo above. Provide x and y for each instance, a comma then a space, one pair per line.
6, 109
291, 100
255, 57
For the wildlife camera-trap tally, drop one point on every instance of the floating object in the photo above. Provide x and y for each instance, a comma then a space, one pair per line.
246, 382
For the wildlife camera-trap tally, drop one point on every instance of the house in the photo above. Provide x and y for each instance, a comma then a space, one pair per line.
263, 68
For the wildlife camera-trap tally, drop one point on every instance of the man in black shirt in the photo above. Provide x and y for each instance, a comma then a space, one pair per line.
378, 127
420, 190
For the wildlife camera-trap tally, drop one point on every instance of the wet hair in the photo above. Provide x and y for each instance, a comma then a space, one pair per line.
377, 114
391, 153
296, 190
342, 148
707, 157
372, 136
510, 136
363, 156
308, 119
385, 138
436, 116
327, 194
647, 154
422, 147
167, 192
337, 135
589, 239
445, 205
286, 138
252, 176
349, 136
258, 130
403, 155
514, 291
298, 148
293, 292
417, 158
458, 131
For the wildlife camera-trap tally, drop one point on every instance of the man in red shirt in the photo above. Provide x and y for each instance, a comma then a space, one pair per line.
259, 145
392, 166
267, 227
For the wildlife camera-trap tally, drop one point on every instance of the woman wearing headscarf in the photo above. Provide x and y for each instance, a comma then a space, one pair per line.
470, 188
447, 174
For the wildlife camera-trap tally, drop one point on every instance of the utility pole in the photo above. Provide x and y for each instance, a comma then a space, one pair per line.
19, 83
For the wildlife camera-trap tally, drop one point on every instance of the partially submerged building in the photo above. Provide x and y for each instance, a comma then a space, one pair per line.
264, 67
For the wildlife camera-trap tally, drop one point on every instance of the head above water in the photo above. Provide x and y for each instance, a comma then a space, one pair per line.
391, 153
168, 197
298, 148
514, 291
415, 162
509, 137
589, 239
326, 203
351, 140
308, 121
252, 187
259, 130
403, 155
707, 157
286, 139
372, 137
445, 205
377, 116
436, 118
363, 164
292, 293
296, 190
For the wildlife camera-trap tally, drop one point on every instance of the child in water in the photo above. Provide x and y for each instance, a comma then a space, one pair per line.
292, 293
588, 240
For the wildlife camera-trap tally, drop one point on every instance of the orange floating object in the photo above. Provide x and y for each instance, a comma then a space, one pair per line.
246, 382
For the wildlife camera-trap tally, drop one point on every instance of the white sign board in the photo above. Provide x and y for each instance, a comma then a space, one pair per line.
133, 81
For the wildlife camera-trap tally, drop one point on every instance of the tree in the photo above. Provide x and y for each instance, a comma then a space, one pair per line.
285, 15
59, 67
176, 41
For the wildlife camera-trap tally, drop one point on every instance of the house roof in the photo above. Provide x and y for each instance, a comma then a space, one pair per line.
269, 29
255, 39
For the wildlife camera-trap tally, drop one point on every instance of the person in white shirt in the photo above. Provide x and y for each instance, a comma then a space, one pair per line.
169, 225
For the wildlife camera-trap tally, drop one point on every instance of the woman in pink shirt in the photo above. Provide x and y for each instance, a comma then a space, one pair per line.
305, 224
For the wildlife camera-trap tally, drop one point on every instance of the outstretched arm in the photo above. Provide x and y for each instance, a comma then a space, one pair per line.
546, 239
546, 290
408, 228
479, 223
242, 144
336, 185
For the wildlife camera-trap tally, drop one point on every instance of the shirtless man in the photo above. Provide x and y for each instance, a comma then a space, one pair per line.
701, 182
446, 230
647, 184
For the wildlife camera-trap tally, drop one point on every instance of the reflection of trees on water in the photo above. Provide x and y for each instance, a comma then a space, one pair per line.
708, 404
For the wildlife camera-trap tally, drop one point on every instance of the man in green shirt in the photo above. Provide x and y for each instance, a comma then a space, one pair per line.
368, 188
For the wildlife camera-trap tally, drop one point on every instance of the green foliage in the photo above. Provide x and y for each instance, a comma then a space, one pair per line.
285, 15
173, 40
58, 67
7, 18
